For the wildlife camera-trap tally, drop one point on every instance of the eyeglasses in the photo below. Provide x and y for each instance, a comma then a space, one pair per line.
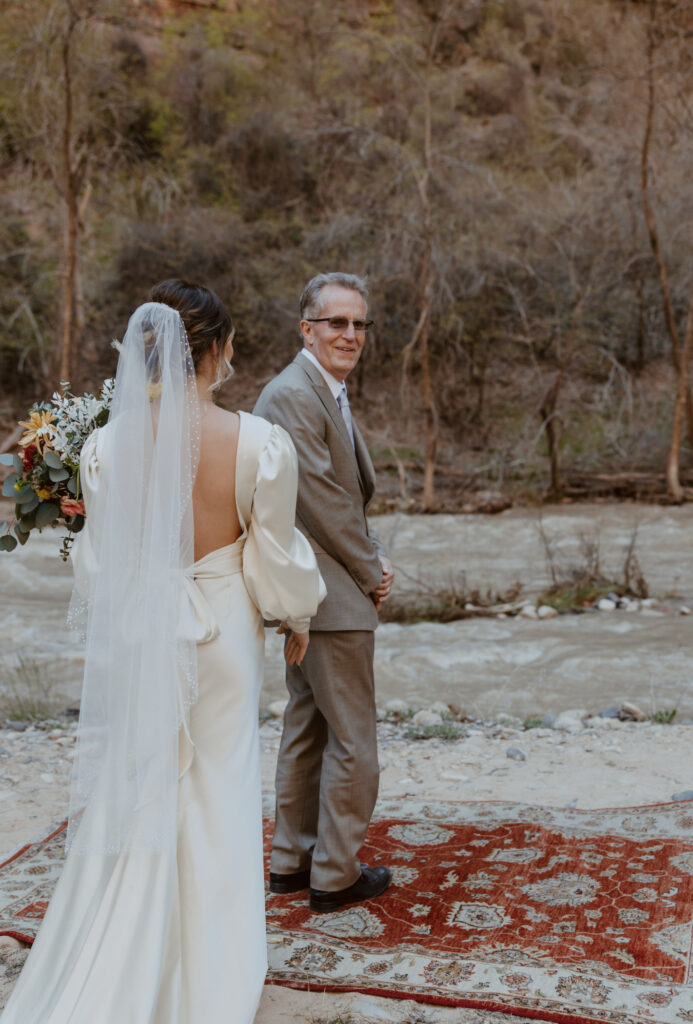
341, 323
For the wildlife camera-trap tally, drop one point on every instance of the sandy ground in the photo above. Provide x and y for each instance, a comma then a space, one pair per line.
603, 763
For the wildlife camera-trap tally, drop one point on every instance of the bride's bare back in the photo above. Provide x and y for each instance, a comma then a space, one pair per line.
214, 494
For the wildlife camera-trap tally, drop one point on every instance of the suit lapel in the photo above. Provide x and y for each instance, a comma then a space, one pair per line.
358, 450
326, 397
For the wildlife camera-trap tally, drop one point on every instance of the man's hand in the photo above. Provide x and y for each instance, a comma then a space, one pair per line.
296, 644
384, 588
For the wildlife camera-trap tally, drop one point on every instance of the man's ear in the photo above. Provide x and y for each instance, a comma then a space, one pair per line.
307, 332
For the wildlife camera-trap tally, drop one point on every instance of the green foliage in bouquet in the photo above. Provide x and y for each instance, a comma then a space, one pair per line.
44, 483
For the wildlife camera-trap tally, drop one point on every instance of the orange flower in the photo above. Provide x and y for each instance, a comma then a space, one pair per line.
38, 429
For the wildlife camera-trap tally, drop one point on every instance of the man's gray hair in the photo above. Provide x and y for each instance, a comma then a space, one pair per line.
310, 303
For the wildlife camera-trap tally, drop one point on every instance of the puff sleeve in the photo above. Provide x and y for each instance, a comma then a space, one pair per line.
279, 566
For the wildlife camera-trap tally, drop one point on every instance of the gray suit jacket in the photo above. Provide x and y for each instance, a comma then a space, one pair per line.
335, 485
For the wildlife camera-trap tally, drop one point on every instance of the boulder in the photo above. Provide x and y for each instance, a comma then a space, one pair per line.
427, 718
396, 707
277, 708
515, 754
571, 721
631, 713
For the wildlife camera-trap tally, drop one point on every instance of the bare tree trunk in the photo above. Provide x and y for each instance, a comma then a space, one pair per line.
71, 211
431, 431
431, 421
673, 479
669, 316
549, 418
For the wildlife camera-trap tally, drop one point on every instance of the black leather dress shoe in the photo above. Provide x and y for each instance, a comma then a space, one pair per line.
370, 883
289, 883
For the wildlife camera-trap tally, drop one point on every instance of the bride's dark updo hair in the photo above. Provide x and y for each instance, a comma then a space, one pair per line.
205, 317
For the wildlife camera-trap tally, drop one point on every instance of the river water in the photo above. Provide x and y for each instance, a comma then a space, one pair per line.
488, 666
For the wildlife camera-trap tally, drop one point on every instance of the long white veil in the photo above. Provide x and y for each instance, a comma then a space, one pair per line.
140, 674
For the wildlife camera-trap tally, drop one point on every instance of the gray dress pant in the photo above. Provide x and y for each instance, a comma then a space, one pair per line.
327, 771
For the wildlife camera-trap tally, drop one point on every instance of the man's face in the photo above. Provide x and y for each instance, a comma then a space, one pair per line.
338, 351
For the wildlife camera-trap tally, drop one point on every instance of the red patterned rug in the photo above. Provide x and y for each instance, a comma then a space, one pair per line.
562, 915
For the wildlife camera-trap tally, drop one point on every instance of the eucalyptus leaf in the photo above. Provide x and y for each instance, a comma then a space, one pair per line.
30, 504
7, 543
76, 524
22, 537
27, 499
7, 460
28, 519
73, 484
8, 490
18, 464
52, 459
47, 513
57, 475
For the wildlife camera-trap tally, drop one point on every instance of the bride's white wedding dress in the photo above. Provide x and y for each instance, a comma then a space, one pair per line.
179, 938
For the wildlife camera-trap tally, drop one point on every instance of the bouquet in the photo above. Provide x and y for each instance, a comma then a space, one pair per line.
45, 483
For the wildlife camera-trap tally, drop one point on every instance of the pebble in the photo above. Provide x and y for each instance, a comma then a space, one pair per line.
18, 726
515, 754
685, 794
454, 777
528, 611
611, 712
605, 604
439, 708
545, 611
684, 610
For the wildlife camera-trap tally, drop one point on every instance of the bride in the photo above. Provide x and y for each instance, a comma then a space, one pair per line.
158, 917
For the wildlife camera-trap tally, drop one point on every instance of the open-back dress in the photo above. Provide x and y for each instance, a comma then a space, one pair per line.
144, 938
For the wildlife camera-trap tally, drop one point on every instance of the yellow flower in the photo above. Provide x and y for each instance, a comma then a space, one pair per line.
38, 429
44, 492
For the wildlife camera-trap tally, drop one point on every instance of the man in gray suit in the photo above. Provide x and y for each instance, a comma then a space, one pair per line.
327, 772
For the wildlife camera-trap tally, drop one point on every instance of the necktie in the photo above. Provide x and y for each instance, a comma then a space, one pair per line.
343, 403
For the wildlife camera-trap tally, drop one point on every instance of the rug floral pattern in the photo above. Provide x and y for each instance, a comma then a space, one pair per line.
563, 915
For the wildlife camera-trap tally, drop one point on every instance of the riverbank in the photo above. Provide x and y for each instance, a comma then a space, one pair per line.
488, 666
